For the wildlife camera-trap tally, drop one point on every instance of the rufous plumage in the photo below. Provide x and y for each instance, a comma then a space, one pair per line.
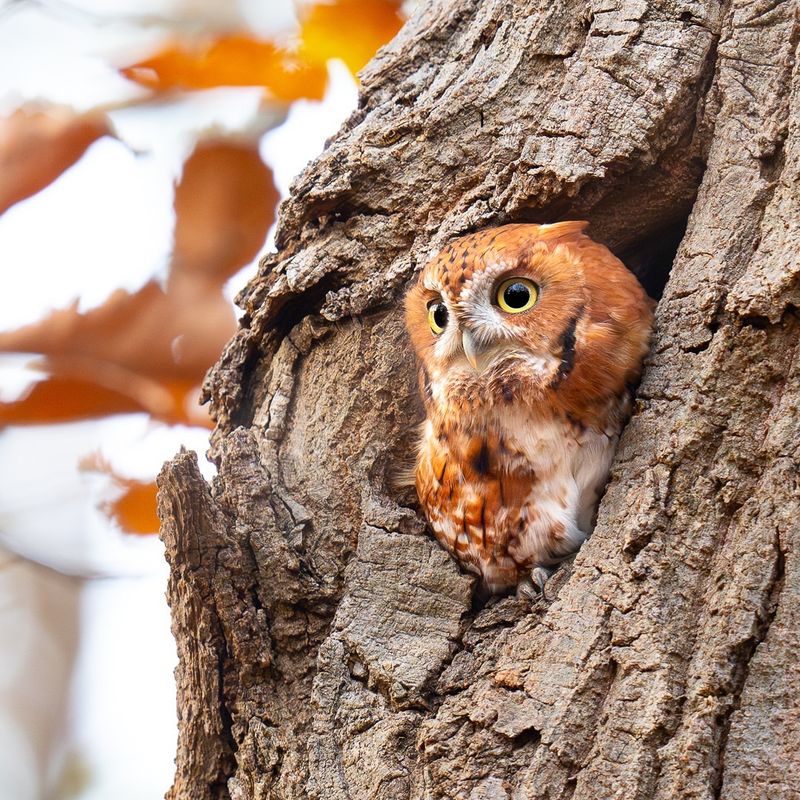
530, 339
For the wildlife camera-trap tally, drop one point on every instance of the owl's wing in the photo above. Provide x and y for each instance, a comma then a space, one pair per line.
590, 466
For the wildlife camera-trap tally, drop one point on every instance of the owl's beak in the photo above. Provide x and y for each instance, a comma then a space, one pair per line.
471, 350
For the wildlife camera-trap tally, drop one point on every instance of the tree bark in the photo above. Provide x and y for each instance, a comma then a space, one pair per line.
329, 648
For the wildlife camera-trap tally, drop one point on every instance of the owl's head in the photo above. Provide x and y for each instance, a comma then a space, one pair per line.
531, 314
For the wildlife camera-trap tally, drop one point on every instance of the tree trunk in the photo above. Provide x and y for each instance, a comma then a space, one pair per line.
329, 648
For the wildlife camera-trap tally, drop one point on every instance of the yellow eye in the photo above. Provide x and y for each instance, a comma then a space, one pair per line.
437, 316
517, 295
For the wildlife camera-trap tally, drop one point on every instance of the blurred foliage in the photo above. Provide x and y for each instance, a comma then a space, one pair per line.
148, 351
135, 509
37, 145
348, 29
230, 61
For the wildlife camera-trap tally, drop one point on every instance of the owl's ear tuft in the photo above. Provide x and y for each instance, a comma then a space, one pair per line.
557, 230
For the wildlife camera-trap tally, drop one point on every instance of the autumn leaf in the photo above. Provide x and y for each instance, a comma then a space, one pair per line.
63, 398
149, 350
37, 145
135, 510
78, 390
230, 60
224, 204
348, 29
158, 334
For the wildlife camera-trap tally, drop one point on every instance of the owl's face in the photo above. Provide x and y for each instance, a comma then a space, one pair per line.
524, 313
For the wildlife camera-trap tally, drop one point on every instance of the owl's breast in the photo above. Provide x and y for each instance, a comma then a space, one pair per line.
498, 504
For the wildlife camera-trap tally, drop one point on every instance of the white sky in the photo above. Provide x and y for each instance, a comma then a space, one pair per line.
107, 223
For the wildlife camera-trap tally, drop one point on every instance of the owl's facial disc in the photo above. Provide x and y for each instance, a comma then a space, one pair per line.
488, 331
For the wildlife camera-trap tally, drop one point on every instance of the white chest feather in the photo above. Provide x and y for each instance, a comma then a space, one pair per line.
570, 463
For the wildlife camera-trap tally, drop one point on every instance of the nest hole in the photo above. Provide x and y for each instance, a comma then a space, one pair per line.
651, 259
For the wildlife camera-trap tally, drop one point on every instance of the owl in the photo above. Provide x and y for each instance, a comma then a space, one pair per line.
529, 340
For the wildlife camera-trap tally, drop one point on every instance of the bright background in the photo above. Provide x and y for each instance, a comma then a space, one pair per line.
144, 145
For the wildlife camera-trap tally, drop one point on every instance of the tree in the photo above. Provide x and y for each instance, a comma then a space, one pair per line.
328, 647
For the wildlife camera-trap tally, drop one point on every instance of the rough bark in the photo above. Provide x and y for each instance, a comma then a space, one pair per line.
328, 647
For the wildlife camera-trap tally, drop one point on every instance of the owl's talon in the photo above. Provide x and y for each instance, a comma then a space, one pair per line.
540, 576
527, 591
532, 588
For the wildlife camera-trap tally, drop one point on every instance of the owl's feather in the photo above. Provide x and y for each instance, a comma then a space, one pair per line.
517, 444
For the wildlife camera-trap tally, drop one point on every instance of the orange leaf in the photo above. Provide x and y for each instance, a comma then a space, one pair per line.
78, 390
148, 351
61, 399
231, 60
224, 204
163, 335
349, 29
135, 510
37, 146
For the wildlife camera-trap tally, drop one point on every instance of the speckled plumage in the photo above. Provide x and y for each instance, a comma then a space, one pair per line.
519, 438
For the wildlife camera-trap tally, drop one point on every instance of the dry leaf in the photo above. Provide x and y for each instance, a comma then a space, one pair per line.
231, 60
61, 399
36, 146
224, 203
151, 332
78, 389
148, 351
349, 29
135, 510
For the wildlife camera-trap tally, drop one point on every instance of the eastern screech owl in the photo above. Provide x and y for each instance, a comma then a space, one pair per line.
529, 339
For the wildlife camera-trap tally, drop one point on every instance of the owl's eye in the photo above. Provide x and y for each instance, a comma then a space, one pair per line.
437, 316
516, 295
